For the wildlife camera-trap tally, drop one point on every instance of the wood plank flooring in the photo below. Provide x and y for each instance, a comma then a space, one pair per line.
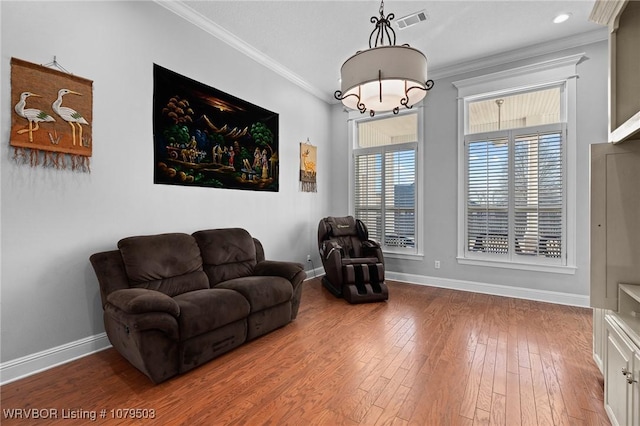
428, 356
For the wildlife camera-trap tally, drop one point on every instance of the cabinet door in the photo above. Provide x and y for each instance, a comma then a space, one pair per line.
617, 392
615, 228
634, 409
598, 338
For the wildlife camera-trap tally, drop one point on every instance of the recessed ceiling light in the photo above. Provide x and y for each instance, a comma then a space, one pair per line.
561, 18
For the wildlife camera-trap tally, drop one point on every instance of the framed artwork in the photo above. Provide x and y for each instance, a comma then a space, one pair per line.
205, 137
308, 158
52, 116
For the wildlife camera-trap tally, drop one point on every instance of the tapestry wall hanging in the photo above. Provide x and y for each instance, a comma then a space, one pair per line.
205, 137
51, 117
308, 154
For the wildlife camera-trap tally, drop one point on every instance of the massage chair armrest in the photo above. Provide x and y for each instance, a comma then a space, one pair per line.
370, 244
372, 248
331, 248
142, 300
288, 270
332, 254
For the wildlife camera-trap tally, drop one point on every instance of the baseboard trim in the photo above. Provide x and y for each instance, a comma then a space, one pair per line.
494, 289
25, 366
314, 273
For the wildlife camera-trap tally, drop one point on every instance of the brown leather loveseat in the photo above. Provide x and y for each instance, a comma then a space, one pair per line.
175, 301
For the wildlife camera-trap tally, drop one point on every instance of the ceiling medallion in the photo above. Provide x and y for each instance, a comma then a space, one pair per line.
385, 76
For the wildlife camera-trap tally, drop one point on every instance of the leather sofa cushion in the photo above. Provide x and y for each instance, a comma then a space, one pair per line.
226, 253
205, 310
261, 292
169, 263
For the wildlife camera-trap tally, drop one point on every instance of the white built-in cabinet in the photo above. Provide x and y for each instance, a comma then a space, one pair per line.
615, 219
622, 17
622, 360
615, 276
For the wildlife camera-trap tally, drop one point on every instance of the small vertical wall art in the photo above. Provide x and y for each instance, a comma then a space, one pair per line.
52, 116
308, 155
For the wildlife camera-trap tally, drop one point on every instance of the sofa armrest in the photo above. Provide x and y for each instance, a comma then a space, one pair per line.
142, 300
277, 268
292, 271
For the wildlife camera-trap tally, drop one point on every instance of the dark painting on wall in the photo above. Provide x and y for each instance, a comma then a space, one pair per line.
205, 137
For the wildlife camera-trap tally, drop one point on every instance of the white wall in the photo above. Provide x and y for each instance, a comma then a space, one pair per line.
53, 220
441, 185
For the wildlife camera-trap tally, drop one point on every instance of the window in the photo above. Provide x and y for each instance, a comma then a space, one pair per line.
384, 180
517, 163
515, 187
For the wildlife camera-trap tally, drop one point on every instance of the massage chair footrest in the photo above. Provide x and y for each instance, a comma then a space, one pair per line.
364, 293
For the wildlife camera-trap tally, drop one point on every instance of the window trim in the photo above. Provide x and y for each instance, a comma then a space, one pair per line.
557, 71
354, 119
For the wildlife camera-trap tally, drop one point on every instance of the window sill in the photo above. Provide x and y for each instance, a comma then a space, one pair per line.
555, 269
404, 256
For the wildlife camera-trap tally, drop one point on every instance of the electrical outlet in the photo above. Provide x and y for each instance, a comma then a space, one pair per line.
436, 264
308, 258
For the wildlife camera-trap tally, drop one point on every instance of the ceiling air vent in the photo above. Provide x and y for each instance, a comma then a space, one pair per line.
413, 19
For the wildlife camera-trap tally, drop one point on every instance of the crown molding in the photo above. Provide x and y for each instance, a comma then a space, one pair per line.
182, 10
200, 21
521, 53
607, 12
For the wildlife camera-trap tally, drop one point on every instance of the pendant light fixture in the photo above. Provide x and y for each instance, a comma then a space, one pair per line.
385, 76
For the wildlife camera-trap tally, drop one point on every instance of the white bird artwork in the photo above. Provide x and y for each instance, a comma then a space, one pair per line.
69, 115
33, 115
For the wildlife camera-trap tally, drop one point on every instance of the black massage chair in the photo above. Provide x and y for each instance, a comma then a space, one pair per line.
353, 264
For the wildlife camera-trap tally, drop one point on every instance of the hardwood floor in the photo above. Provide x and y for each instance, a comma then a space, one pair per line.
428, 356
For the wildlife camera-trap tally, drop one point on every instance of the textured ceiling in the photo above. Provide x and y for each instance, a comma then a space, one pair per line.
311, 39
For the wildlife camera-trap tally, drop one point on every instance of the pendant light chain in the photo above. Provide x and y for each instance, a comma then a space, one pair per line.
383, 28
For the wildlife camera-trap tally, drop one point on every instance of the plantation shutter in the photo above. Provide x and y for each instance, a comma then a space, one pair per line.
368, 192
399, 198
538, 195
515, 194
488, 195
385, 195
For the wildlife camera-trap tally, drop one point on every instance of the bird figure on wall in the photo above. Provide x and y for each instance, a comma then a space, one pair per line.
33, 115
69, 115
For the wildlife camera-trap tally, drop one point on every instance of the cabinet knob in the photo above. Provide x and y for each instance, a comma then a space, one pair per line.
629, 375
